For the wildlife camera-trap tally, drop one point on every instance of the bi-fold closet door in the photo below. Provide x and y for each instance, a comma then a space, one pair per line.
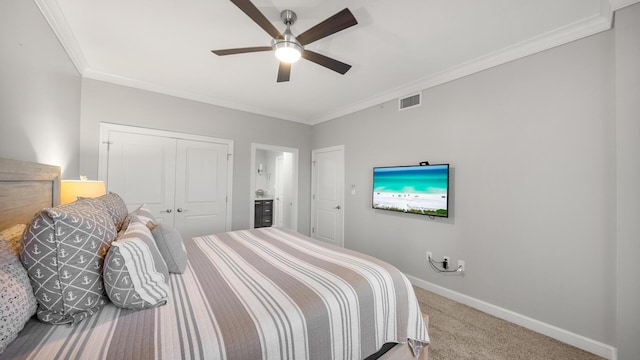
184, 182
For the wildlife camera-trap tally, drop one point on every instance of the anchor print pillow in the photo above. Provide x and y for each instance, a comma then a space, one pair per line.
63, 251
115, 206
135, 275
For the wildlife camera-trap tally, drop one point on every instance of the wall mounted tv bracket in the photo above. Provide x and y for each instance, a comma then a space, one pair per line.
424, 163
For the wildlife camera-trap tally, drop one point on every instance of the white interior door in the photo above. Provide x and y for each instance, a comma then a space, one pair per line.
328, 195
141, 169
201, 188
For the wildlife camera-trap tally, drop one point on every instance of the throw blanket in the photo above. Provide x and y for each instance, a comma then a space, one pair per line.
266, 293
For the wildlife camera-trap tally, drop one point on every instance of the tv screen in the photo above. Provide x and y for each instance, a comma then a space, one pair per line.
412, 189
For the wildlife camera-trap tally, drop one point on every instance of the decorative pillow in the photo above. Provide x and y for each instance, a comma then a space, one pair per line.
116, 208
135, 275
170, 244
63, 251
17, 303
12, 238
144, 215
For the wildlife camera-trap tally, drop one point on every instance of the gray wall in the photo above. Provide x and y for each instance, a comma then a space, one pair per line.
105, 102
39, 91
532, 148
628, 176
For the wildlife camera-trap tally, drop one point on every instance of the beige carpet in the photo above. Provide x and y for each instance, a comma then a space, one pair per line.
460, 332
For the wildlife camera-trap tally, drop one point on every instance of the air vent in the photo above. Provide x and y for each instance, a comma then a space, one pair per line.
410, 101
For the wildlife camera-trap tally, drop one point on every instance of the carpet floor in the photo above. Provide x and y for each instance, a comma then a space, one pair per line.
460, 332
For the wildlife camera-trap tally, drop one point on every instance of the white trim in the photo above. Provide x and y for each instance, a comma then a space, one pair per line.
580, 29
573, 339
103, 154
183, 94
252, 181
619, 4
52, 13
577, 30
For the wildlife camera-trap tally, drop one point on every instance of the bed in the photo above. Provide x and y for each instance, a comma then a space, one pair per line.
266, 293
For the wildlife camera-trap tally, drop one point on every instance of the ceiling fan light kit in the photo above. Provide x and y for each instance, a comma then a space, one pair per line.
289, 49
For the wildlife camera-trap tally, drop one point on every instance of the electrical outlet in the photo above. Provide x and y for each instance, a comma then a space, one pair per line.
429, 255
445, 262
461, 265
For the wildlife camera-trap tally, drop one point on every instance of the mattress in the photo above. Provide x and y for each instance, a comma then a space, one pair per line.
266, 293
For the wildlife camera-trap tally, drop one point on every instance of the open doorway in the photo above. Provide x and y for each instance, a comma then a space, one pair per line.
274, 176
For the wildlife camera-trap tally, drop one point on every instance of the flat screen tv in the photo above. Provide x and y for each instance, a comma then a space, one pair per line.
420, 189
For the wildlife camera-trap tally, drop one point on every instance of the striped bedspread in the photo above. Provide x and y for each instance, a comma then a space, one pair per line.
254, 294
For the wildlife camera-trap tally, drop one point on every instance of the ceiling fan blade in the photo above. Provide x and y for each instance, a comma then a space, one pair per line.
241, 50
327, 62
284, 71
252, 11
332, 25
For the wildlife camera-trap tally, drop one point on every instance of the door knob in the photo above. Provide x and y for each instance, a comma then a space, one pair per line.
181, 210
168, 211
337, 207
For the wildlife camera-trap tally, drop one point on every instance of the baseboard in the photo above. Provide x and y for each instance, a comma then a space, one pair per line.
579, 341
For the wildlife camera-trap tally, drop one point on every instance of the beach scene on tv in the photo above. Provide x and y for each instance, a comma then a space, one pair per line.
412, 189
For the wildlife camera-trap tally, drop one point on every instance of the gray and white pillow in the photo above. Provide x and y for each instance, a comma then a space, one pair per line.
17, 303
135, 275
115, 206
144, 214
63, 251
171, 247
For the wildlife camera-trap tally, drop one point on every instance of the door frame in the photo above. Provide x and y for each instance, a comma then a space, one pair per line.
313, 186
103, 153
278, 218
252, 181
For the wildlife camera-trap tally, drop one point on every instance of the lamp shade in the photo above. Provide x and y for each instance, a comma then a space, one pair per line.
70, 190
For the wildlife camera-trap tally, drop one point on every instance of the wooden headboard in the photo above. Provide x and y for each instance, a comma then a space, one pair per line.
25, 188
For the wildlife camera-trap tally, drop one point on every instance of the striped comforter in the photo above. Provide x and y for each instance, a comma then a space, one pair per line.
254, 294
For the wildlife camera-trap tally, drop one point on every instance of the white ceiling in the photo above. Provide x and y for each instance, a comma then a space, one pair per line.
398, 47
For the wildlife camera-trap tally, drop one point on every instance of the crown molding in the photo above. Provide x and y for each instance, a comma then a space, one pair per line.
578, 30
187, 95
619, 4
54, 16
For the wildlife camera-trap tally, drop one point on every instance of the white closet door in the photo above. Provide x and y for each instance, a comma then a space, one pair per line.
141, 169
201, 188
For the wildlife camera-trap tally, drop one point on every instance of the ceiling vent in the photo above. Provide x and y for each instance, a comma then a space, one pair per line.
410, 101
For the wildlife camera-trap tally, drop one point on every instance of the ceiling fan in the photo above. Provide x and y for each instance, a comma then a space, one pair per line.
289, 48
